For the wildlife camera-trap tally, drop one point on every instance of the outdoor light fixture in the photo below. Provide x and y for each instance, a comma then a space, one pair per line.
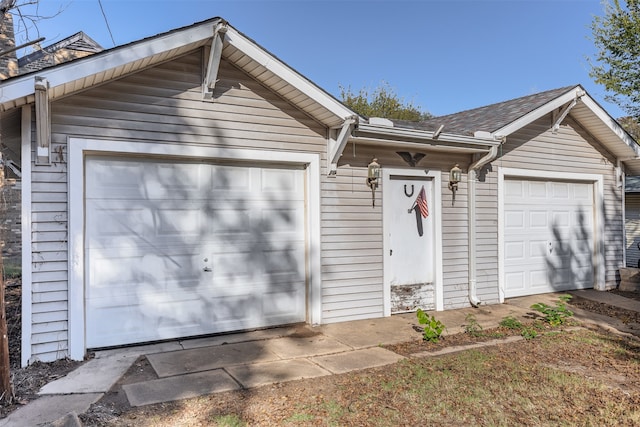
373, 177
455, 175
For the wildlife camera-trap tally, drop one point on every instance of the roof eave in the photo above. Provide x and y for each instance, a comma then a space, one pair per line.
397, 137
114, 63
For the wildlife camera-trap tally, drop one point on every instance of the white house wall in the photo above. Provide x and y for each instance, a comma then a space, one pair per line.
572, 150
160, 105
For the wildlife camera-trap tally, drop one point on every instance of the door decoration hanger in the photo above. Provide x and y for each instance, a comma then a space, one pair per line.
421, 209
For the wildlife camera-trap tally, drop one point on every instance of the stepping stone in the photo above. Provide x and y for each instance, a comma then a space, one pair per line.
179, 387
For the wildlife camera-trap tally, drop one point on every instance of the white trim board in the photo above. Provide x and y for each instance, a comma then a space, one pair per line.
79, 147
436, 175
598, 216
26, 235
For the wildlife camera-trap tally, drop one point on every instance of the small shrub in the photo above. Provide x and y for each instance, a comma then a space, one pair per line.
511, 322
472, 327
555, 315
433, 328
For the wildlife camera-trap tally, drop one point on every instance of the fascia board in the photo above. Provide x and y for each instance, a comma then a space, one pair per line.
612, 124
66, 73
286, 73
537, 113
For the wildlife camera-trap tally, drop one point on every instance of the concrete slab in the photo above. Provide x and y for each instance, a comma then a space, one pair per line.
258, 374
69, 420
208, 358
291, 347
357, 360
95, 376
179, 387
373, 332
263, 334
139, 350
48, 409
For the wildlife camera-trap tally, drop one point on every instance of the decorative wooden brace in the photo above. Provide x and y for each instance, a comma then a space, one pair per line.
43, 121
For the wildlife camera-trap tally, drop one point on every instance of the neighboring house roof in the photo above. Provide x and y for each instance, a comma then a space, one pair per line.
80, 74
76, 46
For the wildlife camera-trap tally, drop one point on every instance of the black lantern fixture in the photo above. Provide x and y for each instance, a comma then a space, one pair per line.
373, 179
455, 175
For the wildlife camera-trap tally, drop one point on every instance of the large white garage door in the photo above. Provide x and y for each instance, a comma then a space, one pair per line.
548, 236
182, 249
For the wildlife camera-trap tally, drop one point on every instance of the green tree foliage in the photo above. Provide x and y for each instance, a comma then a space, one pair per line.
381, 102
617, 64
631, 125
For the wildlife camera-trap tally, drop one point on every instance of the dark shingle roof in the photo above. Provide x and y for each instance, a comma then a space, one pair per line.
488, 118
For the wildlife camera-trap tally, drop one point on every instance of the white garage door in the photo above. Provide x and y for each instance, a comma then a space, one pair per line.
184, 249
548, 236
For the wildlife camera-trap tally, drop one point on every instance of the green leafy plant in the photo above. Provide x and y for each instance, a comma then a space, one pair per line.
472, 326
555, 315
529, 333
433, 328
511, 322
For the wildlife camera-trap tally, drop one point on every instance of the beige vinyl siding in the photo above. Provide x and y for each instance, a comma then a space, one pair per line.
351, 247
572, 150
632, 228
159, 105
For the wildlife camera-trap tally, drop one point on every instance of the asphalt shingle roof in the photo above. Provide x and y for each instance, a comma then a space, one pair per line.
488, 118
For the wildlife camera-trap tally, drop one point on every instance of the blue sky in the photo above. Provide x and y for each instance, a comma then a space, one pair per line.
444, 56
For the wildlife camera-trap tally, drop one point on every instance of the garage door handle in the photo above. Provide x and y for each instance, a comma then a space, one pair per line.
207, 269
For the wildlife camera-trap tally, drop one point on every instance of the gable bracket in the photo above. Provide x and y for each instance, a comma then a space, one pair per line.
560, 116
43, 121
335, 147
215, 55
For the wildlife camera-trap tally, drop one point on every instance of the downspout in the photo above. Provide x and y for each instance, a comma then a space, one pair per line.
472, 178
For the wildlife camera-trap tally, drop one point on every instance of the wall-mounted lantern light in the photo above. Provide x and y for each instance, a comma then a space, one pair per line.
455, 175
373, 179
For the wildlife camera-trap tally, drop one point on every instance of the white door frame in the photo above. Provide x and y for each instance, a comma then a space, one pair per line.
436, 213
599, 265
79, 147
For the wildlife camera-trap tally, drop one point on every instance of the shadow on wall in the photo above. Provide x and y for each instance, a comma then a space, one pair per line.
569, 254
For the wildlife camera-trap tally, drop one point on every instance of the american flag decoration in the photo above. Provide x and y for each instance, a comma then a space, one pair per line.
421, 203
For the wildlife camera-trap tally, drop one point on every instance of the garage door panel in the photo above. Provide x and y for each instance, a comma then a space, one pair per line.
557, 233
514, 219
221, 251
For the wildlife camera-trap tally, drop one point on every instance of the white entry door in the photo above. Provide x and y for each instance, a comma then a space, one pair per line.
183, 249
410, 242
548, 236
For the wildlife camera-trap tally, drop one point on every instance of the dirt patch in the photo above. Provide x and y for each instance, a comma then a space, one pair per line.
628, 317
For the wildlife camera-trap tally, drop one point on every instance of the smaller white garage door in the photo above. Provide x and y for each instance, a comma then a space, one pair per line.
548, 236
183, 249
